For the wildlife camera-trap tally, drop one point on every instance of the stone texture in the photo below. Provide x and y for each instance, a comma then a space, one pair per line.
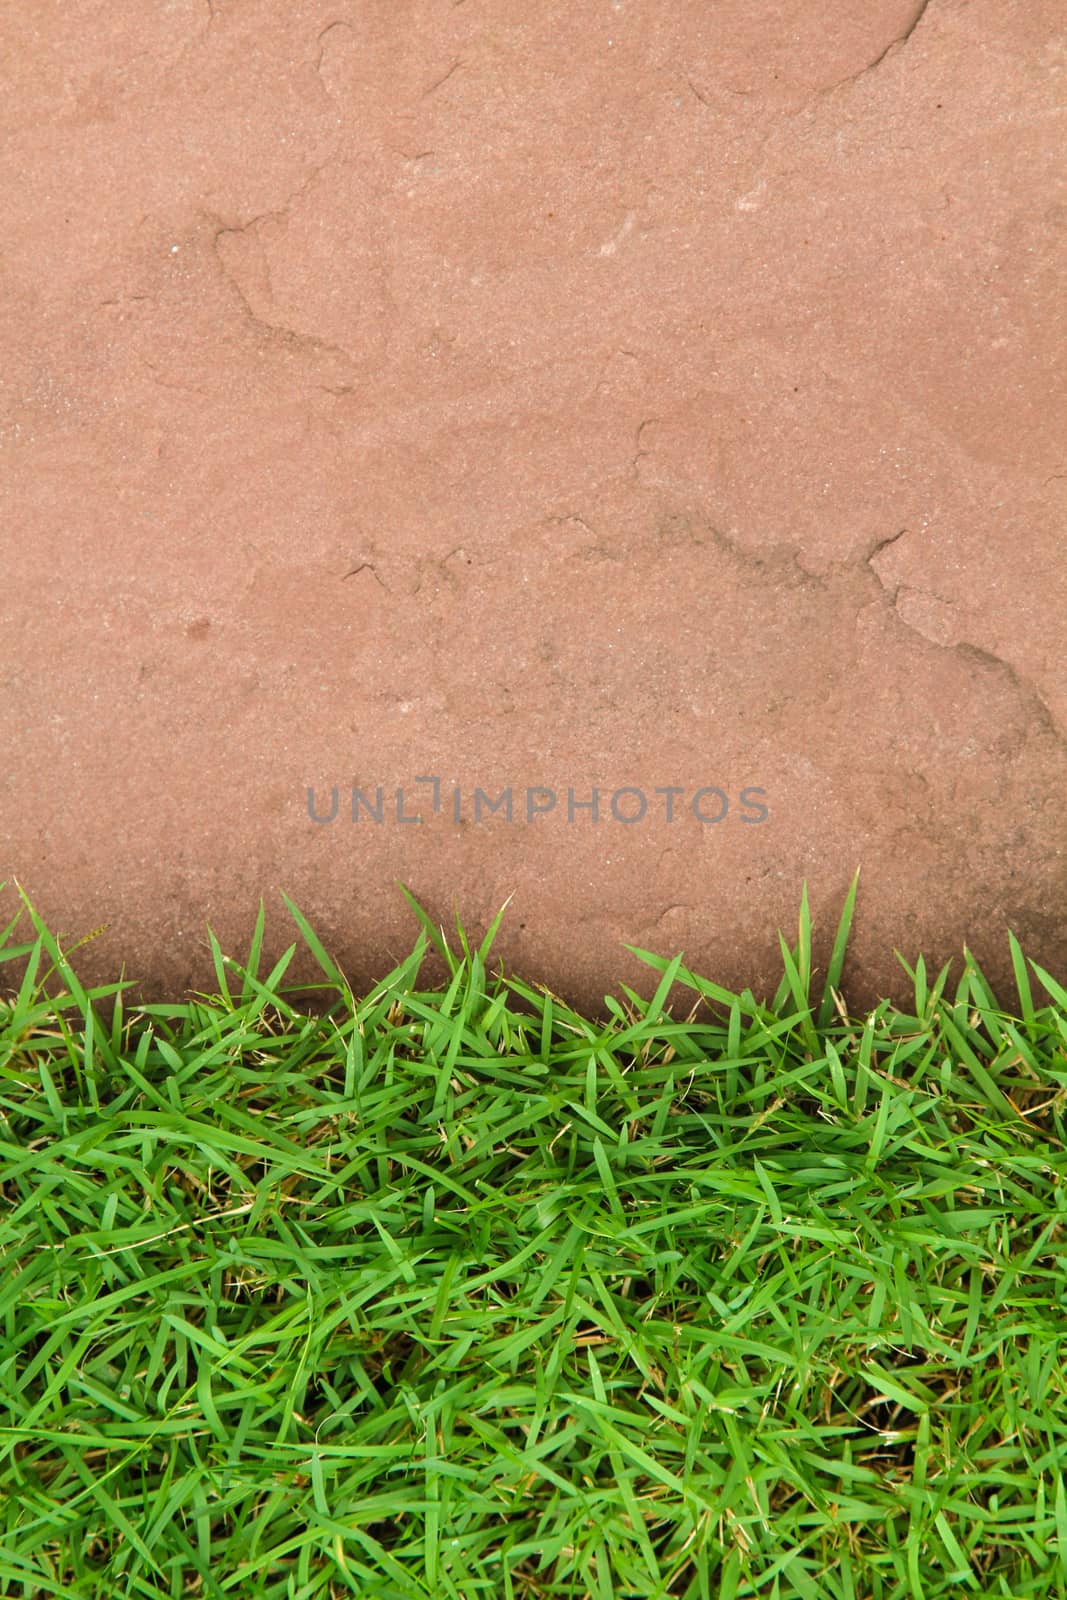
597, 393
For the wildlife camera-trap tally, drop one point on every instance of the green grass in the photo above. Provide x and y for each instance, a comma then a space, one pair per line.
454, 1292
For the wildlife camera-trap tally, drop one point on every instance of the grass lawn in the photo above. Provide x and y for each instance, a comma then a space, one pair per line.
454, 1292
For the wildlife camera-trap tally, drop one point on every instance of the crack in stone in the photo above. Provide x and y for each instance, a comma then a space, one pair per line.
165, 383
368, 566
571, 516
275, 214
440, 82
1023, 687
874, 552
330, 27
281, 213
891, 48
903, 38
770, 563
1026, 691
290, 336
883, 544
435, 570
635, 459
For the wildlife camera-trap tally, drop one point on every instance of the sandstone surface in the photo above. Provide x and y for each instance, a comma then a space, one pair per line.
569, 396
